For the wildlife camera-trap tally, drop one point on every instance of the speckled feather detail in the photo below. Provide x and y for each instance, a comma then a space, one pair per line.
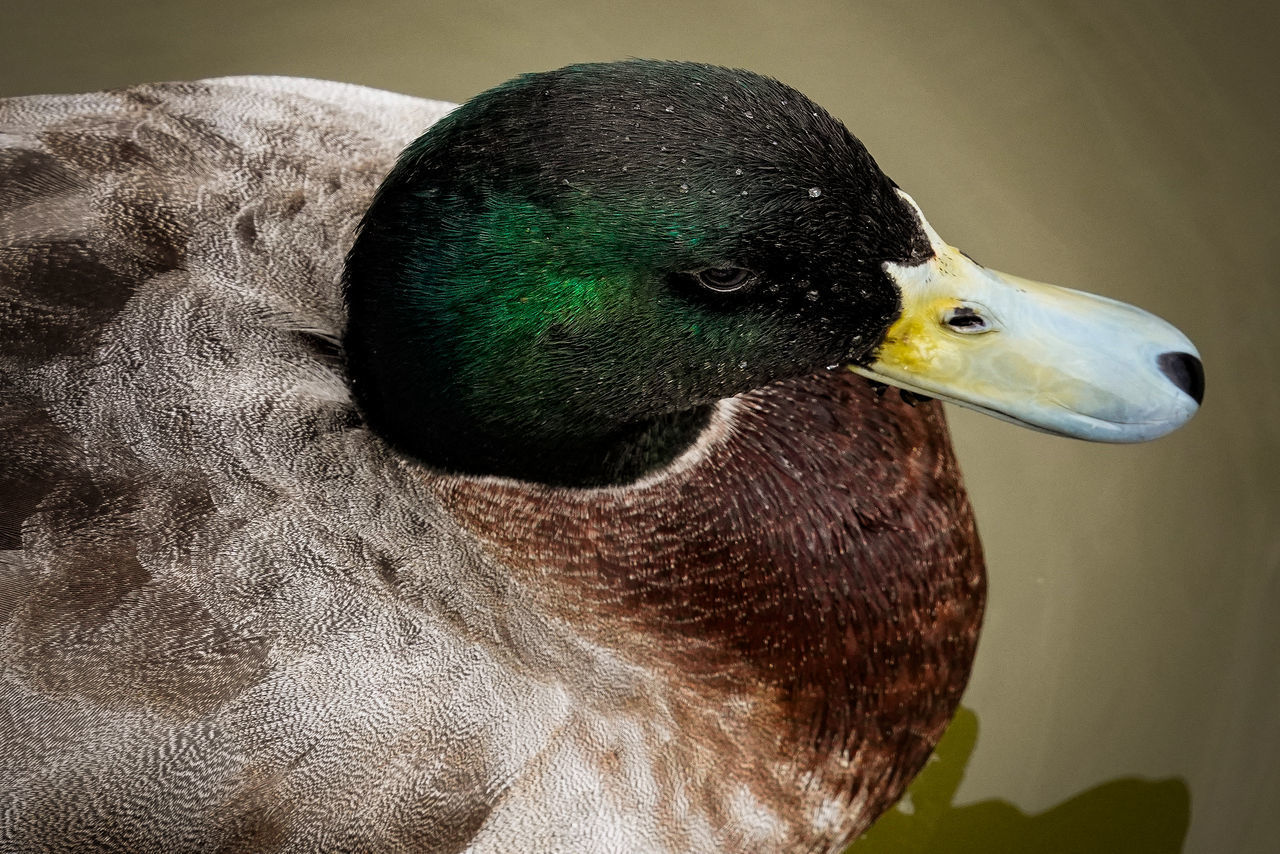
234, 619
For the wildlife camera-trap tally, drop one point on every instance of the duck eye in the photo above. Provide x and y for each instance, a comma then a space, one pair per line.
723, 279
966, 320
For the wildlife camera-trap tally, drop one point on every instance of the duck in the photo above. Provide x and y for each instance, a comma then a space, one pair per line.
387, 475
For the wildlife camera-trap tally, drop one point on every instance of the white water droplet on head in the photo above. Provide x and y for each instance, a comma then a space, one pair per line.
748, 115
742, 365
744, 192
684, 188
669, 110
814, 192
737, 171
684, 160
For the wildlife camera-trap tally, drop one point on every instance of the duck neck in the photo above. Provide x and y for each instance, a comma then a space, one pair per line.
500, 337
481, 372
427, 420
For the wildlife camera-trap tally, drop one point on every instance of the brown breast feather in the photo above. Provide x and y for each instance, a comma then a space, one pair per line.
818, 551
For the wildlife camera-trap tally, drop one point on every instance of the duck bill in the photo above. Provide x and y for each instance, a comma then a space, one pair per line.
1053, 359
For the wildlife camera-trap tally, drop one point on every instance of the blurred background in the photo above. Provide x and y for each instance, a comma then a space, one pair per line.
1127, 691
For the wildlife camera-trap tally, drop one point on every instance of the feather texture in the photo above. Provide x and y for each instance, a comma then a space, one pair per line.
235, 619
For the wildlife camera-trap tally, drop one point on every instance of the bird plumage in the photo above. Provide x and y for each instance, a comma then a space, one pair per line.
235, 618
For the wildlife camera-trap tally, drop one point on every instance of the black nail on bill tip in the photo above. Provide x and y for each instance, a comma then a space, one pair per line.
1185, 371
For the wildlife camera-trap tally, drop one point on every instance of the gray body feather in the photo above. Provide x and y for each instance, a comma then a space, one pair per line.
232, 618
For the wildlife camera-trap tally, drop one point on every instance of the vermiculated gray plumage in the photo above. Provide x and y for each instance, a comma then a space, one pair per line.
234, 619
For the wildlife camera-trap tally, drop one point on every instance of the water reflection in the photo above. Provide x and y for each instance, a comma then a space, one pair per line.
1126, 815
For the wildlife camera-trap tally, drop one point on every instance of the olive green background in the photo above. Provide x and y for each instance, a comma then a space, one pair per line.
1122, 147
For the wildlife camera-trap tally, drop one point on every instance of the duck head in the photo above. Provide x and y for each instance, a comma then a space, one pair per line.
560, 279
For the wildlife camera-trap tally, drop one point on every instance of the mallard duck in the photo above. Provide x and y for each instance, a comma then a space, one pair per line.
545, 499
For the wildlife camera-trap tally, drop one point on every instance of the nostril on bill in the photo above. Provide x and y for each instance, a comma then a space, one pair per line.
1185, 371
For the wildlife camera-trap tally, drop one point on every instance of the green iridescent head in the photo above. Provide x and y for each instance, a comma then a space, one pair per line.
559, 278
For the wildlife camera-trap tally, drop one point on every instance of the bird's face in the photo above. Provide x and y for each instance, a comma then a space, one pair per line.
605, 244
637, 239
